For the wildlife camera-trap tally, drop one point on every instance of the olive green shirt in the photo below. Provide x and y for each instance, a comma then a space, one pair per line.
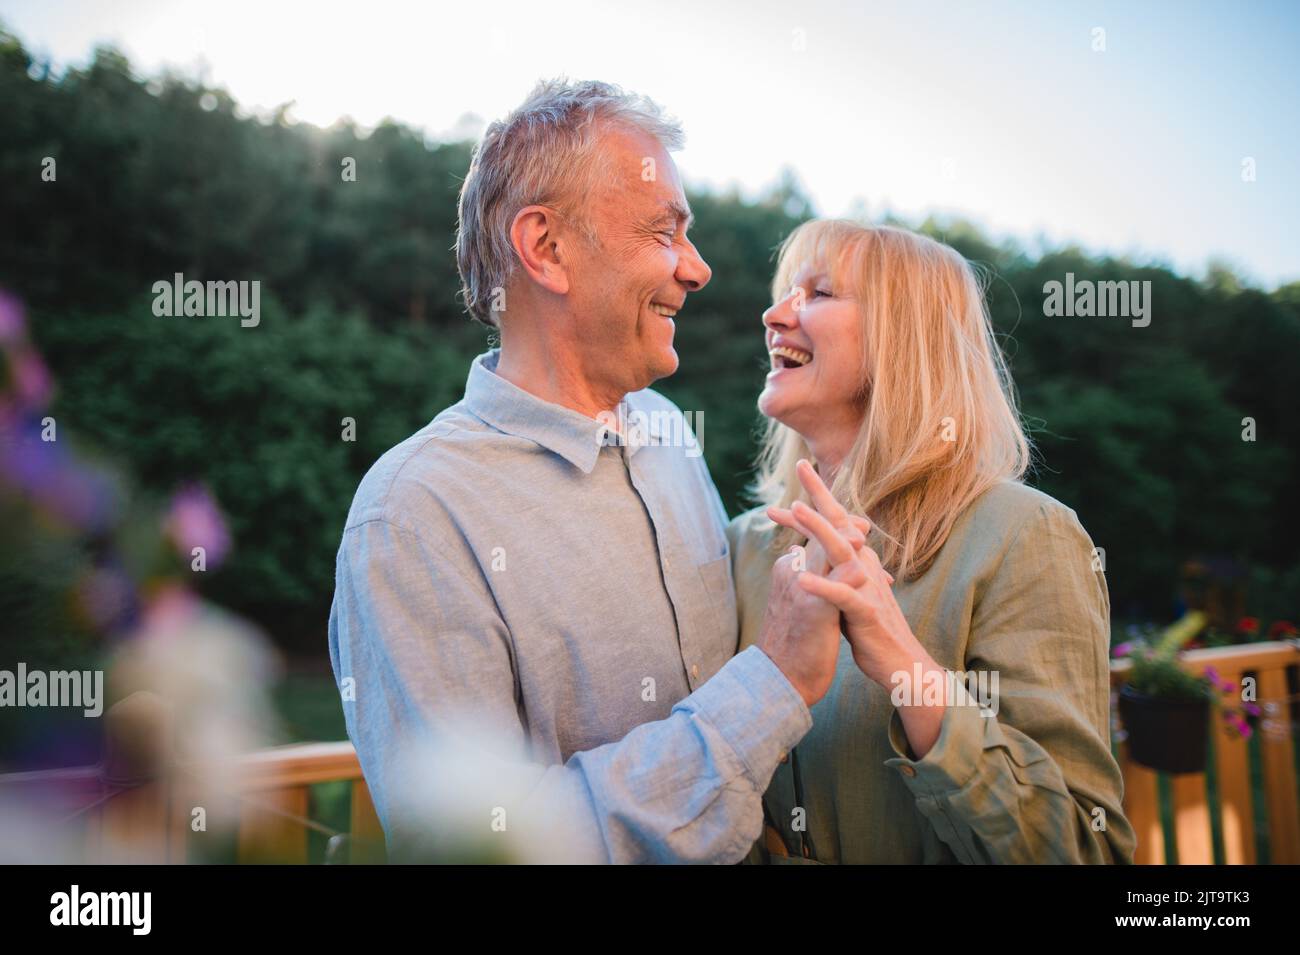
1016, 590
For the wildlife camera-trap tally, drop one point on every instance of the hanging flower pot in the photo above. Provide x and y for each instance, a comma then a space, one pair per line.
1168, 734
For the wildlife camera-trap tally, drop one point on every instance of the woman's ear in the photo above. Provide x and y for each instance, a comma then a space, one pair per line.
534, 233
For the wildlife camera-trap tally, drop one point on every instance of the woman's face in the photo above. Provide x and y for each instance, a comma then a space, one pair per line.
814, 342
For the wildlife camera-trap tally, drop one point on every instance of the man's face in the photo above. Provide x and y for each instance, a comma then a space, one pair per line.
625, 289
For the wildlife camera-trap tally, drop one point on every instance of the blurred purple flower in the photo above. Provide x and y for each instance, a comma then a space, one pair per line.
194, 520
31, 380
106, 597
75, 493
12, 324
1123, 649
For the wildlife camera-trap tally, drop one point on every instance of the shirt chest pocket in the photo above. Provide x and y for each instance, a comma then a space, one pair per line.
716, 575
720, 598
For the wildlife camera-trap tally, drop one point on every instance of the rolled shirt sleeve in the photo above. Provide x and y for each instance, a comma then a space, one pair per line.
417, 633
1035, 780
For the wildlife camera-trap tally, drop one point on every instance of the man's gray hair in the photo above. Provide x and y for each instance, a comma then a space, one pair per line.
546, 152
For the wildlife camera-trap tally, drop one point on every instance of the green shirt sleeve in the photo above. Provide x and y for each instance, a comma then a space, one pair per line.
1034, 779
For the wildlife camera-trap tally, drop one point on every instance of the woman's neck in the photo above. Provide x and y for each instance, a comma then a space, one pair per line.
829, 451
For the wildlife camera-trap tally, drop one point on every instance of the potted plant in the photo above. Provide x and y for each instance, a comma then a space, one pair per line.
1165, 710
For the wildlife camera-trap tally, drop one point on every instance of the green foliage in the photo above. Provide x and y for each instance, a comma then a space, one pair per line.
258, 415
1163, 678
1139, 430
1156, 670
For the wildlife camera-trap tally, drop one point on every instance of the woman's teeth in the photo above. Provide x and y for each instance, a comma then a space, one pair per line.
663, 310
793, 357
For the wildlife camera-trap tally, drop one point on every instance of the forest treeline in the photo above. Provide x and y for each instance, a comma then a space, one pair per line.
1139, 429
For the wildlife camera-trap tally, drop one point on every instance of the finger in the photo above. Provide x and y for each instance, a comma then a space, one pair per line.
820, 494
861, 523
872, 560
783, 516
841, 595
838, 550
852, 572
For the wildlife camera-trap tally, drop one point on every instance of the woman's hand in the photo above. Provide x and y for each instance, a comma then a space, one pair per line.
851, 527
849, 576
844, 572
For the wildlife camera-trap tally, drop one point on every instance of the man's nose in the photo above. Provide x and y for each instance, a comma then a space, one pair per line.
692, 270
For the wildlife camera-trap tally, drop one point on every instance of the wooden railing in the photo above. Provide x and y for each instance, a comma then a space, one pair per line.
1193, 796
274, 813
152, 821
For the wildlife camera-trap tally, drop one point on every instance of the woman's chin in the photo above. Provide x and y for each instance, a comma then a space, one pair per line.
774, 405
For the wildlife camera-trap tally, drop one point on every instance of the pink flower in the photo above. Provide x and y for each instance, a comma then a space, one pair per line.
1242, 726
31, 379
195, 521
11, 319
170, 610
1123, 649
1218, 682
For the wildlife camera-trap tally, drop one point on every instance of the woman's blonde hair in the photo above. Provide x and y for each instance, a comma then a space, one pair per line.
940, 424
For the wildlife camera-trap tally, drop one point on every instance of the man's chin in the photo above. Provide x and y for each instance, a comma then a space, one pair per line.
663, 364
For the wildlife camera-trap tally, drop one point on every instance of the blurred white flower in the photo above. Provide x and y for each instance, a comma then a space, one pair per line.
193, 686
472, 796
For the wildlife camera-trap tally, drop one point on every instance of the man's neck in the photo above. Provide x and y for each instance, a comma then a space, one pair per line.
554, 376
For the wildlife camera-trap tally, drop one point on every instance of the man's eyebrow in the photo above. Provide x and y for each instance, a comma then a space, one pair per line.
676, 212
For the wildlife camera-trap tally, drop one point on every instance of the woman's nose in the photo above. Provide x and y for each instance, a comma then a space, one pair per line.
781, 314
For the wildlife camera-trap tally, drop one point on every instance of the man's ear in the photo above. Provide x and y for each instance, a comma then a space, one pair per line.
535, 235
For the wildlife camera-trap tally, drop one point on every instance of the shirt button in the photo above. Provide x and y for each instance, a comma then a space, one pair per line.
907, 770
695, 671
785, 757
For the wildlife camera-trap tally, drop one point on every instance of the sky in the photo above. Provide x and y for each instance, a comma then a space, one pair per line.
1120, 127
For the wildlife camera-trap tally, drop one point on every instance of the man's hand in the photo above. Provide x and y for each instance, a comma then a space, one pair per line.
856, 583
801, 631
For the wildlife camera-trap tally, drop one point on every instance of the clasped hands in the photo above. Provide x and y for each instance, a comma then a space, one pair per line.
833, 587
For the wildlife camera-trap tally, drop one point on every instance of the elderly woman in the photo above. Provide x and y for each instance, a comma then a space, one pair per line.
969, 717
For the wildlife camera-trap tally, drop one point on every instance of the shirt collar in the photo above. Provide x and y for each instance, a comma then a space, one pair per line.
563, 431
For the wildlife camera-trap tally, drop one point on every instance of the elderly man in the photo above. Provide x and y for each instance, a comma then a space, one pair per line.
510, 566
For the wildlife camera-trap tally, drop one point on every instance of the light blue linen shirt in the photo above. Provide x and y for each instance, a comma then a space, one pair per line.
511, 566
